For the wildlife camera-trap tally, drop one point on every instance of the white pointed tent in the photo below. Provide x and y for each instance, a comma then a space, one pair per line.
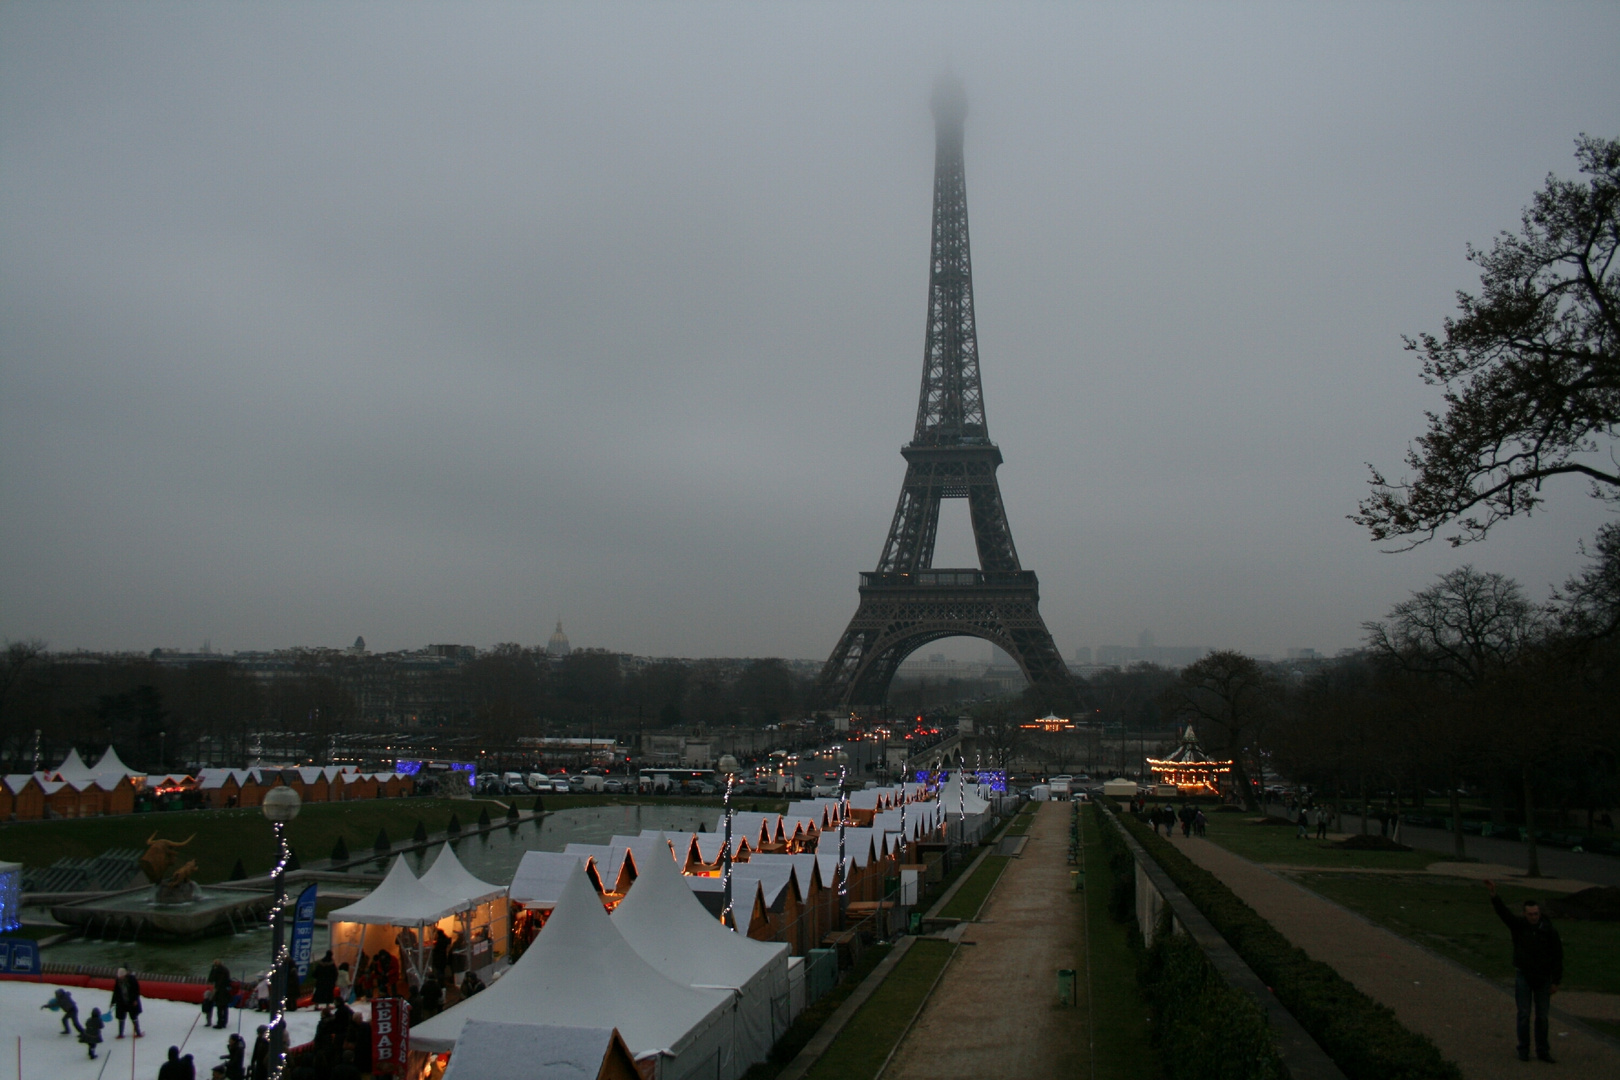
111, 766
581, 972
481, 909
393, 917
669, 927
73, 770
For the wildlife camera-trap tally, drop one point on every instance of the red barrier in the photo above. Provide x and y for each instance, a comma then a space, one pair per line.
190, 993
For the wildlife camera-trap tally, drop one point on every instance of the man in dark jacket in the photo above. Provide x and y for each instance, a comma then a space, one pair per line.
126, 1001
219, 977
1538, 957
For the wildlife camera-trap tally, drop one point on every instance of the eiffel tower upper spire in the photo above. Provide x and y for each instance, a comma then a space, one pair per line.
951, 407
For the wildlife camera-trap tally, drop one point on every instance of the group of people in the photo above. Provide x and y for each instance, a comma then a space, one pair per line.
1190, 817
1312, 820
125, 1006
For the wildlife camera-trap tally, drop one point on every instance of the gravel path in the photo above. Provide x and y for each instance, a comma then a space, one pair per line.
995, 1013
1468, 1017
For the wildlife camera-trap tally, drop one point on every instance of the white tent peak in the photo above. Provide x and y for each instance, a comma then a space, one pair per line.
401, 900
669, 925
73, 767
110, 762
453, 881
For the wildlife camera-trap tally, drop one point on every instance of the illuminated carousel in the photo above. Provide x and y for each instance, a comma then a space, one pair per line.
1189, 768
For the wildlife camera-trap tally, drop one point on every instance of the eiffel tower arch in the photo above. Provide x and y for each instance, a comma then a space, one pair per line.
906, 602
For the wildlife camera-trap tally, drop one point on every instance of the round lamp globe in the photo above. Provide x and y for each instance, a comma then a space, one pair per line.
281, 804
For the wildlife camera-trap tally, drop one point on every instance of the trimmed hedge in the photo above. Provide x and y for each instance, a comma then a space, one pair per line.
1204, 1029
1362, 1036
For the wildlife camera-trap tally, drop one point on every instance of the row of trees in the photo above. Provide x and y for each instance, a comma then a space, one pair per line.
162, 715
1467, 686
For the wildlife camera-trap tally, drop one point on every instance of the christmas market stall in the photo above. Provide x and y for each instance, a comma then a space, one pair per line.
581, 972
388, 934
482, 912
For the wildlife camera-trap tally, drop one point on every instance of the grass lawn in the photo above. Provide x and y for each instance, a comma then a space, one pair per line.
860, 1049
976, 889
1118, 1015
1454, 918
1241, 834
809, 1022
223, 836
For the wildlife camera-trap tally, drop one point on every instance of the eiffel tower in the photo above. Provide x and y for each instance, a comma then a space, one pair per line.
906, 602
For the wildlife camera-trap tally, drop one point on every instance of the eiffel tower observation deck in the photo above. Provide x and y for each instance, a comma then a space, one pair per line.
907, 602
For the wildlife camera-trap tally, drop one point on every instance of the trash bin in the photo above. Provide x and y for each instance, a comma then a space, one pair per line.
1066, 986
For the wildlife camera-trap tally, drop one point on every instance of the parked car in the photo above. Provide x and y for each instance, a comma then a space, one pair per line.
559, 784
576, 783
613, 786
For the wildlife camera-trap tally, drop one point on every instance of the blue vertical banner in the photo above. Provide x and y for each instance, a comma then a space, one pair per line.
19, 956
303, 935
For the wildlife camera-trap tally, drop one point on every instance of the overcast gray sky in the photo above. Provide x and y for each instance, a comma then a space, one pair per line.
441, 322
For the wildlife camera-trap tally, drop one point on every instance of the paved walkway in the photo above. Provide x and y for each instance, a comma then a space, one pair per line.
1468, 1017
995, 1012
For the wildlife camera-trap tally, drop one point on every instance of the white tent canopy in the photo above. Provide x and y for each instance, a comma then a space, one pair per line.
671, 930
493, 1051
581, 972
401, 900
540, 877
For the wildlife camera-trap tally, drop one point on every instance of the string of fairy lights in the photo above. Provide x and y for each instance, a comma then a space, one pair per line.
278, 969
728, 918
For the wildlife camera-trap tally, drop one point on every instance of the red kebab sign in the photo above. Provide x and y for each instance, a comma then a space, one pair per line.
390, 1034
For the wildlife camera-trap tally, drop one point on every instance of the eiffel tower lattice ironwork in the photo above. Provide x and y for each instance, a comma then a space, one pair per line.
906, 602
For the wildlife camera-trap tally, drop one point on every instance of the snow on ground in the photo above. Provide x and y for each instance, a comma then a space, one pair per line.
47, 1054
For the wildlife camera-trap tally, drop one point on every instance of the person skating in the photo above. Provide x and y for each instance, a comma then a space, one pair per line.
170, 1070
90, 1034
1538, 961
126, 1002
70, 1010
219, 977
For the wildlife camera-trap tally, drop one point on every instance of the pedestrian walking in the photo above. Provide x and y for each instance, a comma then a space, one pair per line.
1538, 961
126, 1001
325, 974
1200, 823
219, 981
63, 1001
259, 1064
235, 1051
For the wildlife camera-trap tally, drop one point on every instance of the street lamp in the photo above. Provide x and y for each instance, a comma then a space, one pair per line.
281, 805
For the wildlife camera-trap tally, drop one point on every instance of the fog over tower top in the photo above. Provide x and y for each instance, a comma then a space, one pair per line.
950, 107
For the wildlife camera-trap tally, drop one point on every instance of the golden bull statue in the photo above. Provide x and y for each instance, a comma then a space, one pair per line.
159, 862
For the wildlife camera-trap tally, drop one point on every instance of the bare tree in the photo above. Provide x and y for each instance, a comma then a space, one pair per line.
1461, 635
1230, 698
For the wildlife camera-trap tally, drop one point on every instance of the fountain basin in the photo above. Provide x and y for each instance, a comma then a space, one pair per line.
136, 914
